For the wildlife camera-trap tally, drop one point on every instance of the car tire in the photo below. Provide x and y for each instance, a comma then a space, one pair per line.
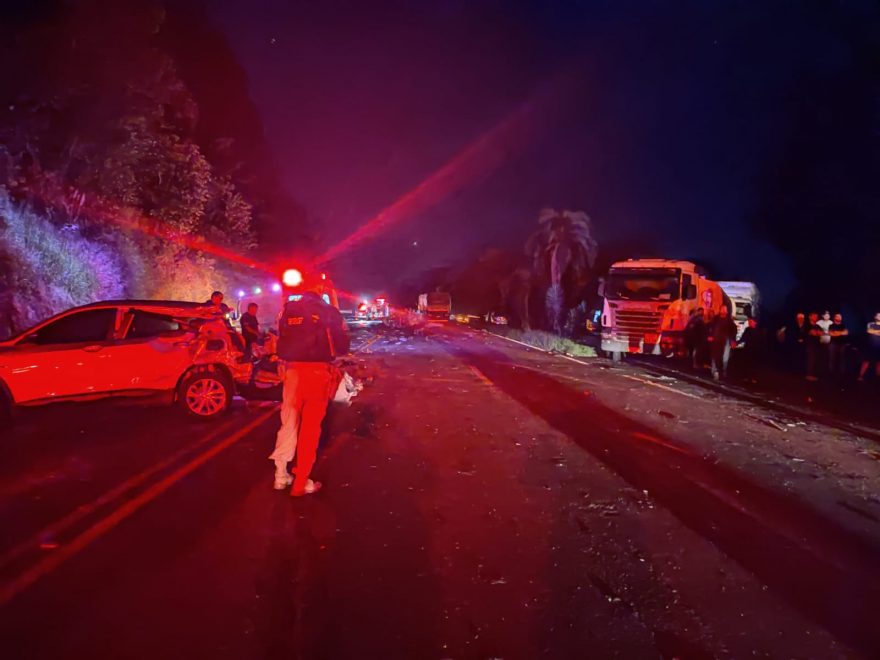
205, 393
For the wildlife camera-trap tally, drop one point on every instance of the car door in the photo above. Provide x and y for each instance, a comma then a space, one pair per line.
152, 352
61, 358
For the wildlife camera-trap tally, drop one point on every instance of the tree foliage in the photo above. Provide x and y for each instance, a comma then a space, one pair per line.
563, 251
99, 145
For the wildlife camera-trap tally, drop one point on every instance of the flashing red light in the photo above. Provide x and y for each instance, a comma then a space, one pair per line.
362, 307
292, 277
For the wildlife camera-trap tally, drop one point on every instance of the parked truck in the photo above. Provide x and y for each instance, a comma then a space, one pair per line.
437, 306
746, 300
647, 304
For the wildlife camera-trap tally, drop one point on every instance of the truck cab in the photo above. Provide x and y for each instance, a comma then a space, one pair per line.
746, 301
647, 304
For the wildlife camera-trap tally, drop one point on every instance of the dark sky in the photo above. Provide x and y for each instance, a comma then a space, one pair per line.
661, 121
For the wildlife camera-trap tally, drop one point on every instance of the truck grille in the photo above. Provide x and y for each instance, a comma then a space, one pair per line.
638, 323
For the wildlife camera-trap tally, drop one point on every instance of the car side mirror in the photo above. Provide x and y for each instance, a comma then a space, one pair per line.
600, 289
691, 292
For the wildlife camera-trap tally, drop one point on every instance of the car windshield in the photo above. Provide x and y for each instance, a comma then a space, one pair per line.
643, 284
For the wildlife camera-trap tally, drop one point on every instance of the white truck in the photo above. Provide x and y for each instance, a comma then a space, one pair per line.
746, 300
437, 306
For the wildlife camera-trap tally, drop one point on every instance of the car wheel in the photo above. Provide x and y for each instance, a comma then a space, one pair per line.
205, 393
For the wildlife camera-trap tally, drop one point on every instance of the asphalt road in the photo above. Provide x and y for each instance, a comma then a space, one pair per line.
481, 500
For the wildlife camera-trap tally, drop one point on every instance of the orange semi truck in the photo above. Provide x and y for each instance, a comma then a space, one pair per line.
647, 303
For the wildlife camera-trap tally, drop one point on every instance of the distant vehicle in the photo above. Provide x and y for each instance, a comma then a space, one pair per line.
464, 319
496, 319
647, 303
746, 300
437, 306
375, 311
126, 348
381, 309
362, 312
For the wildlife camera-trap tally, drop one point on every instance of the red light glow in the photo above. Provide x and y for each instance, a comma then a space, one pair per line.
292, 277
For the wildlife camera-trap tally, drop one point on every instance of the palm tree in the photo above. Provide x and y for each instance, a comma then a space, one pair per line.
563, 253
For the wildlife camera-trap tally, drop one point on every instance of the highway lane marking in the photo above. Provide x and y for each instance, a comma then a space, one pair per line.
479, 374
367, 344
573, 359
55, 528
662, 387
638, 435
772, 523
12, 588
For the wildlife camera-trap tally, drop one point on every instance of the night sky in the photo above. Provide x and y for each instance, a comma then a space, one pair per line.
658, 119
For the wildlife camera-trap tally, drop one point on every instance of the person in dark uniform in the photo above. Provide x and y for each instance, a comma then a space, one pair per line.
311, 335
250, 328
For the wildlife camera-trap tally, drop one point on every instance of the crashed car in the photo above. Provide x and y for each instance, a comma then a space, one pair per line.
126, 348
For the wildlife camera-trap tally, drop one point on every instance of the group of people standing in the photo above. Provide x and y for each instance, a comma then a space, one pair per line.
823, 343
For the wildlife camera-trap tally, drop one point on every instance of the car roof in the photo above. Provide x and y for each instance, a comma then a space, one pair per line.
168, 306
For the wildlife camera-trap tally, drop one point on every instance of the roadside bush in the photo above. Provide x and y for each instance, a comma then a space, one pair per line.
45, 268
547, 341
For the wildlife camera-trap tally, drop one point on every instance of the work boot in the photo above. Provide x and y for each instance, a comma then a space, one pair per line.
310, 488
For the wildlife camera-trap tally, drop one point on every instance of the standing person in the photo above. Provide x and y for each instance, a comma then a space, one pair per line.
694, 336
794, 340
311, 335
722, 335
794, 334
824, 324
872, 349
837, 349
704, 348
753, 347
250, 328
814, 333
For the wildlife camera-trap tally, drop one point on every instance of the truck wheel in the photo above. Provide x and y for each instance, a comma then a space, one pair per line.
205, 393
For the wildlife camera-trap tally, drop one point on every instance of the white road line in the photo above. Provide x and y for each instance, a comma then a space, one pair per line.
573, 359
8, 590
662, 387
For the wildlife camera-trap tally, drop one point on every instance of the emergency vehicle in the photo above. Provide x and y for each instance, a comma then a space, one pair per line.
647, 304
294, 281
